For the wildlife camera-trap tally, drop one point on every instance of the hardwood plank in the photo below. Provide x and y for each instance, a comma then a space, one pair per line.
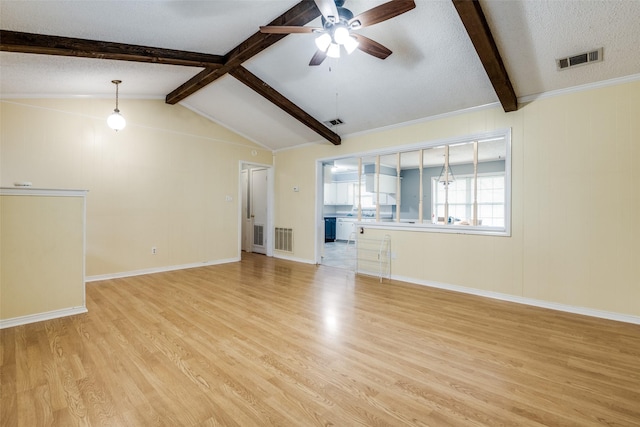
273, 342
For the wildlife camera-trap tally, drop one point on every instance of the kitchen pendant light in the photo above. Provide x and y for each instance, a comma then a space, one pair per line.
116, 121
446, 176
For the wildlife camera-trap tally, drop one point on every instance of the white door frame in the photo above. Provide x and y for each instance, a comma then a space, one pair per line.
319, 234
270, 180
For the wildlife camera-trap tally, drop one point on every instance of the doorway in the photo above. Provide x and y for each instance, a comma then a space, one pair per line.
256, 190
336, 201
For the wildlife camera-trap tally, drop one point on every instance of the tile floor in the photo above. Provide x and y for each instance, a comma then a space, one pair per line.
339, 254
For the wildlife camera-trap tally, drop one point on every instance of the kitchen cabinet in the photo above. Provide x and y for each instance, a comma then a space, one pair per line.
344, 228
344, 193
330, 192
329, 229
339, 193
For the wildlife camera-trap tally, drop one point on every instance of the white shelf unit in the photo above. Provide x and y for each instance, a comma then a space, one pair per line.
373, 256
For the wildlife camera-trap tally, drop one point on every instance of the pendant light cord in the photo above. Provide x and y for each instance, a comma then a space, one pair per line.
116, 82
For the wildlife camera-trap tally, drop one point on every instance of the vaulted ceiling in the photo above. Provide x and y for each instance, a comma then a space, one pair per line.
262, 87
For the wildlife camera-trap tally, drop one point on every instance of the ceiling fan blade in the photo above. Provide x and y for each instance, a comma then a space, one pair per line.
328, 9
288, 29
372, 47
317, 58
381, 13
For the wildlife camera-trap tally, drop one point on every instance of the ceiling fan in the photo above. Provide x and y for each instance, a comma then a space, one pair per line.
339, 24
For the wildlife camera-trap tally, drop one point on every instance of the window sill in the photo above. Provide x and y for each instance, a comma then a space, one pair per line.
406, 225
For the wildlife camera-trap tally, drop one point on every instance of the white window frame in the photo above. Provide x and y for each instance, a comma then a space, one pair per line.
426, 225
468, 192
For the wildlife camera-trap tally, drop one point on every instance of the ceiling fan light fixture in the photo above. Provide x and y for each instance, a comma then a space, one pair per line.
116, 121
341, 34
333, 51
323, 41
351, 44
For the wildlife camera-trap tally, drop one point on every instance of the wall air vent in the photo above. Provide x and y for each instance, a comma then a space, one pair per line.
334, 122
258, 234
284, 239
580, 59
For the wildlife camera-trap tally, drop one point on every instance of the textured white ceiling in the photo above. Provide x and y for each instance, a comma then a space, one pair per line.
531, 35
433, 69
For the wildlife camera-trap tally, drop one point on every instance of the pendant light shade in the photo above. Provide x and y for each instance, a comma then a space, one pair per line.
333, 51
351, 44
116, 121
323, 42
341, 34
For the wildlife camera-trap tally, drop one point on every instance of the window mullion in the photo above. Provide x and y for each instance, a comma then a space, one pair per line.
446, 184
475, 183
421, 189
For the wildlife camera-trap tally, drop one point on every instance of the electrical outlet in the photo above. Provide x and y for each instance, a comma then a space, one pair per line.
154, 250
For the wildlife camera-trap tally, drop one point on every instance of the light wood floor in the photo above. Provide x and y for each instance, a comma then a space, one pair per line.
273, 342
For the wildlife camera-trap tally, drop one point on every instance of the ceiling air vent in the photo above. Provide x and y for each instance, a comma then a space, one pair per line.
334, 122
580, 59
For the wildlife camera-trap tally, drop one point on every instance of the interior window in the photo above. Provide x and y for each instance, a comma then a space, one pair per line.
459, 186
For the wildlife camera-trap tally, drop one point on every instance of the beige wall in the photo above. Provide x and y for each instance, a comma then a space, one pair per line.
160, 182
575, 202
42, 254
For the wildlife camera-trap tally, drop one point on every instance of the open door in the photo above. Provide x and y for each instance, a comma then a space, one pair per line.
245, 216
256, 210
258, 180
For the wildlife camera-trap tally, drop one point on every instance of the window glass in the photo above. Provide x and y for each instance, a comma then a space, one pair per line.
432, 170
461, 186
408, 203
367, 195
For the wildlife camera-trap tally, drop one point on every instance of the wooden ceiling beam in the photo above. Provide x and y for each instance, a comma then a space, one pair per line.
300, 14
251, 80
476, 25
215, 66
15, 41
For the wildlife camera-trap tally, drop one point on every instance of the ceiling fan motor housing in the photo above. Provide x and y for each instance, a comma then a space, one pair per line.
344, 16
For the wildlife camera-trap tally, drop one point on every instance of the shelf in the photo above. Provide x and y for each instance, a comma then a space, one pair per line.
373, 256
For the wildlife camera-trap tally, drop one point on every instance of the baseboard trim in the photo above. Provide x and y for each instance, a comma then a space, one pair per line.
290, 258
609, 315
99, 277
39, 317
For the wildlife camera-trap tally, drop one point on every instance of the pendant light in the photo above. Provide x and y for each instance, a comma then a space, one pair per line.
115, 120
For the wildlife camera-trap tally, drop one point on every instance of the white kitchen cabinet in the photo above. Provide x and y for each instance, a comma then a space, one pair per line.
330, 193
339, 193
344, 228
342, 193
